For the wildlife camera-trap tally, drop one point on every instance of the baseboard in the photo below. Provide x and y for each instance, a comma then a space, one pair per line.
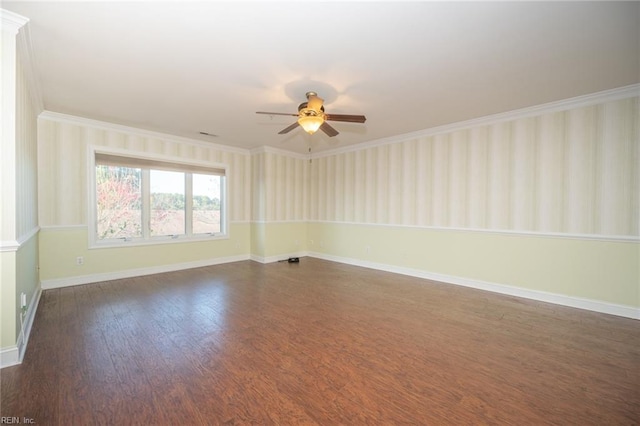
9, 356
277, 258
23, 338
557, 299
129, 273
14, 355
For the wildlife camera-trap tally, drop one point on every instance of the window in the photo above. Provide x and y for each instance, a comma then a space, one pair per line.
206, 204
118, 202
167, 203
150, 201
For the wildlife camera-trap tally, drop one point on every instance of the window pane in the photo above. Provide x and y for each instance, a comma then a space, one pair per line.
118, 202
167, 203
206, 204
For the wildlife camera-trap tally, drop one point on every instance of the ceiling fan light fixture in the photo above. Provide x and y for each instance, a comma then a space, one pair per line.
310, 123
311, 117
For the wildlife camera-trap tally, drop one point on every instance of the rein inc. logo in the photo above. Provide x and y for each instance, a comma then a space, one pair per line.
16, 421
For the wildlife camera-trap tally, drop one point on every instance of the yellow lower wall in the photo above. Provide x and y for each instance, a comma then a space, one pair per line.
19, 274
604, 271
8, 300
59, 248
589, 269
270, 241
258, 239
27, 276
286, 238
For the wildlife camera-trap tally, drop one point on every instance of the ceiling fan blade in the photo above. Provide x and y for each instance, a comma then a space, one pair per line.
346, 117
288, 129
330, 131
314, 103
276, 113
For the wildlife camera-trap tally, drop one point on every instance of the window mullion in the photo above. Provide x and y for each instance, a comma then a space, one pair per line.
188, 204
223, 205
123, 211
146, 204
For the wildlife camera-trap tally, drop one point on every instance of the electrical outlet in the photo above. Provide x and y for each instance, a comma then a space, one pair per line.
23, 300
367, 249
79, 260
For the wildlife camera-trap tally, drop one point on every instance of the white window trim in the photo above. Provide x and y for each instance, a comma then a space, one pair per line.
146, 240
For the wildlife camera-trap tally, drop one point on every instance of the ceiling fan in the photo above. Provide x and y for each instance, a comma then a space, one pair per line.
311, 117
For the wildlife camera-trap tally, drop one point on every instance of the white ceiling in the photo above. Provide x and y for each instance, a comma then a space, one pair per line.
185, 67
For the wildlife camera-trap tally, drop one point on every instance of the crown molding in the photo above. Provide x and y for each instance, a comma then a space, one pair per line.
277, 151
577, 102
29, 67
11, 22
133, 131
547, 108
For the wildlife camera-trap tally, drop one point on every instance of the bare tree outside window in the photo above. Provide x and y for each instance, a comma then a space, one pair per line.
147, 201
118, 202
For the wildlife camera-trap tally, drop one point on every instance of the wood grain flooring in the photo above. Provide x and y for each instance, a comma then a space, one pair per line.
318, 343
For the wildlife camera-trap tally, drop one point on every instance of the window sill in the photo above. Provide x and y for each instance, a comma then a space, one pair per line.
155, 241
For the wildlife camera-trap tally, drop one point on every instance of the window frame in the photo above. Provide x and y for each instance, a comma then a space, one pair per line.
146, 239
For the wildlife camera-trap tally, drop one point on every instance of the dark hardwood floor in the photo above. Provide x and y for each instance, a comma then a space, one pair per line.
318, 343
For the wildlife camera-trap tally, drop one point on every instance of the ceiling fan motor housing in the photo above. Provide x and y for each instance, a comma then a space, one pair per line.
311, 117
303, 109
